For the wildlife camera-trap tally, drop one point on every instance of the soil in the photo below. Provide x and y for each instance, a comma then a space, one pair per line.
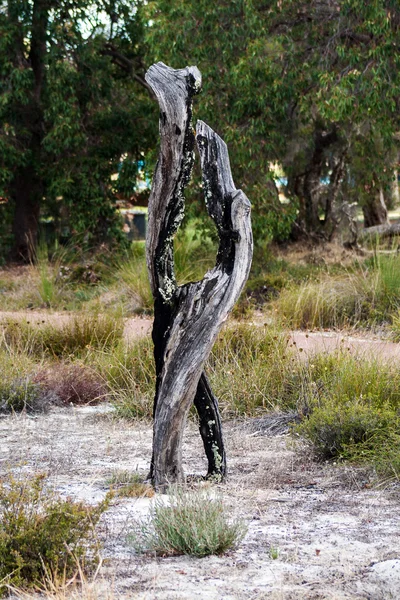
315, 530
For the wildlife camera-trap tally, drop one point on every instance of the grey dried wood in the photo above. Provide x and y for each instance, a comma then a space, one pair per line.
188, 318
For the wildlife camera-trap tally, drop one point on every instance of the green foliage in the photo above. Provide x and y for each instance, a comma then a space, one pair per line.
350, 409
18, 389
42, 534
304, 85
71, 114
20, 394
129, 372
250, 370
192, 523
74, 337
335, 429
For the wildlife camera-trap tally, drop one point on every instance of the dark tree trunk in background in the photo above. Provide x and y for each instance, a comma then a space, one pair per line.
27, 193
374, 209
27, 186
312, 195
188, 318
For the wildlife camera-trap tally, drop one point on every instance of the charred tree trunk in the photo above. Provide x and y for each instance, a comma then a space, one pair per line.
188, 318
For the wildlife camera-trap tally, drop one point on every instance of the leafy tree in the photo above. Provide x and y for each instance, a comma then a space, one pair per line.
71, 114
313, 86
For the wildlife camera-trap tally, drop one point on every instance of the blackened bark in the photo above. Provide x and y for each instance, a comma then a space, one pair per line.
188, 318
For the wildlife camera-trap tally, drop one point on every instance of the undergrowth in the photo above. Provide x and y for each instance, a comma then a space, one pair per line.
74, 338
42, 534
351, 410
367, 295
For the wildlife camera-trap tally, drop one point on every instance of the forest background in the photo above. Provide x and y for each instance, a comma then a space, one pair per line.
306, 94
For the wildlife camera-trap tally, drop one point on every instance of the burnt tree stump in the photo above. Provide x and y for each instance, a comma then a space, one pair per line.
187, 318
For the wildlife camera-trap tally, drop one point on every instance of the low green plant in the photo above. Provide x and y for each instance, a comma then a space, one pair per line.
274, 552
47, 284
42, 534
75, 337
336, 429
192, 523
18, 389
129, 373
333, 302
250, 368
350, 410
20, 394
368, 294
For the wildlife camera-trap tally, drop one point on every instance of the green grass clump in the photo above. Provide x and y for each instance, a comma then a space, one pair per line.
131, 270
251, 369
192, 523
41, 534
367, 295
129, 373
20, 394
75, 337
18, 389
333, 302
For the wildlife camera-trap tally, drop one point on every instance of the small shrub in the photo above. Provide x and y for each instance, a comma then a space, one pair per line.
190, 523
69, 383
42, 534
335, 430
21, 394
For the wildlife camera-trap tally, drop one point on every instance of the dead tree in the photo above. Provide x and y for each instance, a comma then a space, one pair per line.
188, 318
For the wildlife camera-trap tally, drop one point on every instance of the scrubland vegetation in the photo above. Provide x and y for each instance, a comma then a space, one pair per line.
346, 407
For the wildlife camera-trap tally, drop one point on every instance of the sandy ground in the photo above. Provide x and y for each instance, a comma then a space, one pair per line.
335, 536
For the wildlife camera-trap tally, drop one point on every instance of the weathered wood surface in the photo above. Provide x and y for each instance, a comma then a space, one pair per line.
385, 230
188, 318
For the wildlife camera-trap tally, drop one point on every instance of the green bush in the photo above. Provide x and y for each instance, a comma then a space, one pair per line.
335, 430
192, 523
350, 408
19, 394
42, 534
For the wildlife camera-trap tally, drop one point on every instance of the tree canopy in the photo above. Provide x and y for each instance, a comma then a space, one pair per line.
73, 111
312, 87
